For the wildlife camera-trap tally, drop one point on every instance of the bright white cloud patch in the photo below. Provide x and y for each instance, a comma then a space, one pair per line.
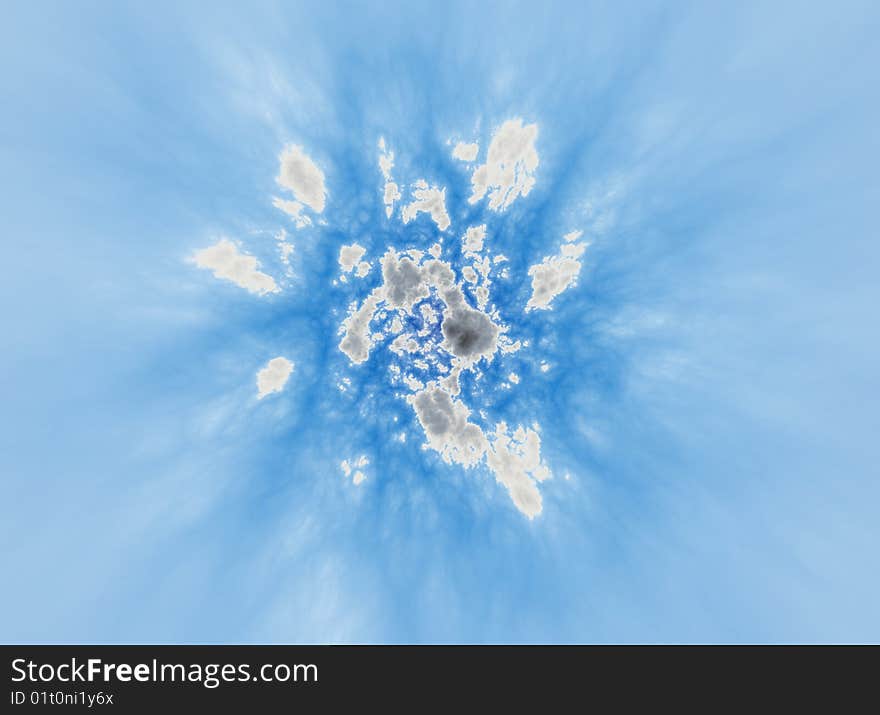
465, 152
273, 376
294, 209
510, 165
516, 460
349, 256
555, 273
472, 241
354, 469
285, 250
302, 177
225, 261
392, 190
427, 199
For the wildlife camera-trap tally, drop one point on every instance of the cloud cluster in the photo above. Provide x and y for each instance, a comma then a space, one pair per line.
273, 376
226, 263
285, 250
515, 459
354, 469
435, 322
510, 165
423, 289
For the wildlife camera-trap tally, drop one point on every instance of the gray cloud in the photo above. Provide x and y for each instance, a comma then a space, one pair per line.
470, 334
403, 281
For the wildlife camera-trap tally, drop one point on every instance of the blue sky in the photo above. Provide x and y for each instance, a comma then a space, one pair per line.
714, 370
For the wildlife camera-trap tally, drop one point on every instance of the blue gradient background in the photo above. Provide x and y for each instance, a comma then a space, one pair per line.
714, 382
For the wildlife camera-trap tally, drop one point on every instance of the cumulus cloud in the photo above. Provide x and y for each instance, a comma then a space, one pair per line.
472, 241
356, 340
573, 250
353, 468
302, 177
273, 376
392, 190
465, 152
510, 165
294, 209
349, 257
285, 249
226, 263
392, 194
427, 199
555, 274
516, 460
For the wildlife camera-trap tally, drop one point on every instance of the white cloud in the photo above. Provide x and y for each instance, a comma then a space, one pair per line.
225, 261
573, 250
392, 190
302, 177
472, 241
555, 274
428, 199
510, 165
514, 458
392, 194
273, 376
285, 249
294, 209
516, 461
356, 340
353, 468
465, 152
349, 257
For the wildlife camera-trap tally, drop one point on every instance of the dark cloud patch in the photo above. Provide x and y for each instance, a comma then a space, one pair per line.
470, 334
